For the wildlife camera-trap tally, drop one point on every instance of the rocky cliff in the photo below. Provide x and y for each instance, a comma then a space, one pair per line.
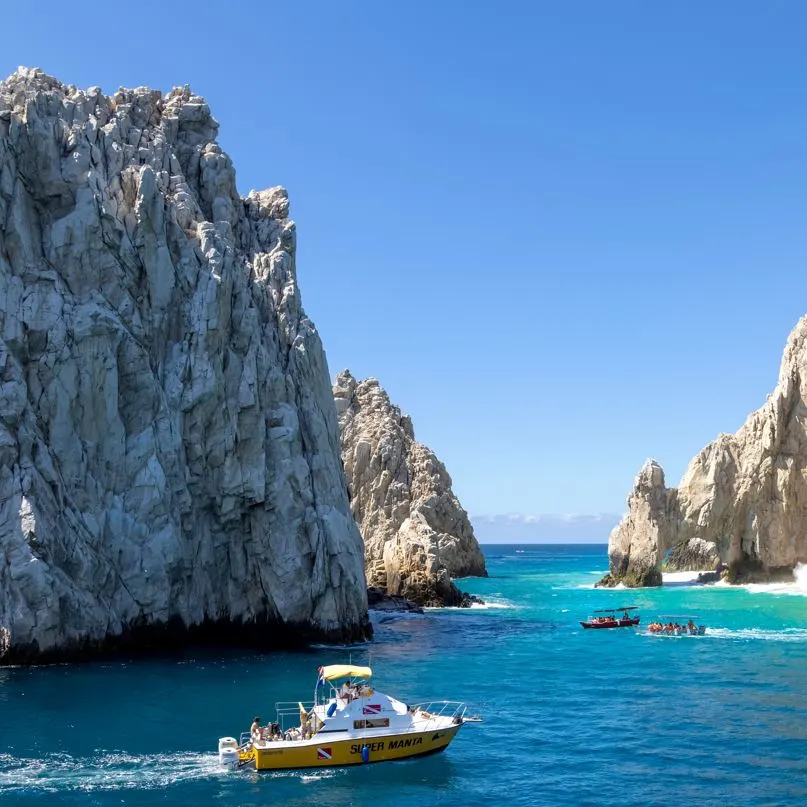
744, 496
416, 534
169, 449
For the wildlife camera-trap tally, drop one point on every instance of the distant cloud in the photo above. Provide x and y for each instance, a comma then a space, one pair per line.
545, 528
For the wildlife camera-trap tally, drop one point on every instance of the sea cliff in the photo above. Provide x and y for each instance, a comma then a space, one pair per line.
416, 534
169, 449
744, 496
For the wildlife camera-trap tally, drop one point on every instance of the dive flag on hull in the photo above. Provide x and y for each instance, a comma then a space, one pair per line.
371, 709
324, 753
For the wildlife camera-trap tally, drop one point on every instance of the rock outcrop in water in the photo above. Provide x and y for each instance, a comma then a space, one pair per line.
416, 534
169, 449
745, 493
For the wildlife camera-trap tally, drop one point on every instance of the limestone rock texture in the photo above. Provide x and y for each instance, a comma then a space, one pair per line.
745, 493
694, 555
169, 448
416, 534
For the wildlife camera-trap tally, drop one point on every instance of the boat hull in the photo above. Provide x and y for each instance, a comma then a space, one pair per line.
615, 623
323, 753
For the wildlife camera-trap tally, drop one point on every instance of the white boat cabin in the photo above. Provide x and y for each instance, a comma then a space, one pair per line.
347, 706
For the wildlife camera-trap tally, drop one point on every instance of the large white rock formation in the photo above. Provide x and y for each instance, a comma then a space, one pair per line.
416, 534
169, 450
745, 493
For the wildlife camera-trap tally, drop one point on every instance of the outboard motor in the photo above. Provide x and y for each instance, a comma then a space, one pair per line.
228, 752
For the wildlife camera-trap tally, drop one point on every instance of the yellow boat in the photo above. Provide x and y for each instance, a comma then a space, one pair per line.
351, 724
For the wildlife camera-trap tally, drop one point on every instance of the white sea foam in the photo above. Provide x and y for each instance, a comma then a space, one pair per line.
488, 604
749, 634
104, 771
681, 578
798, 588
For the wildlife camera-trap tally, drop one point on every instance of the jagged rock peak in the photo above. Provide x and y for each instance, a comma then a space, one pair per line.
634, 546
744, 493
169, 448
416, 534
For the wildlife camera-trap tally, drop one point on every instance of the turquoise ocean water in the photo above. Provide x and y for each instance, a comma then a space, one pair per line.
571, 717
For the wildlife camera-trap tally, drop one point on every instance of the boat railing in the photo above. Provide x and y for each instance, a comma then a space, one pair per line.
432, 711
288, 712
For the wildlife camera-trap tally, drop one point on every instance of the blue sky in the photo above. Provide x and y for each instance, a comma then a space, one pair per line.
564, 236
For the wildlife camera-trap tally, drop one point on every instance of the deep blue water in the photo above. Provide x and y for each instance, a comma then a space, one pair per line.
571, 717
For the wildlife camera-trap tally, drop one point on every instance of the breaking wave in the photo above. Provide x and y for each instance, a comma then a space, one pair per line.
796, 588
492, 602
489, 604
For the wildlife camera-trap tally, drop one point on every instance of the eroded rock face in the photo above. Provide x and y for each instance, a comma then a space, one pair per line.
694, 555
169, 450
636, 545
745, 493
416, 534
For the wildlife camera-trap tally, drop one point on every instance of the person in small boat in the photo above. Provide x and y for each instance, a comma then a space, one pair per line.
255, 729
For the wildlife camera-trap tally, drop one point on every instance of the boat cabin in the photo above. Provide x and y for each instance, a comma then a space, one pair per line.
345, 706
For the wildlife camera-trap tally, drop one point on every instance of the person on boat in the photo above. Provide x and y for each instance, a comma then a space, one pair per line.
255, 729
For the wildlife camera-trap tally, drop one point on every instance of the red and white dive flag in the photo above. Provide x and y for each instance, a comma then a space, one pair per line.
371, 709
324, 753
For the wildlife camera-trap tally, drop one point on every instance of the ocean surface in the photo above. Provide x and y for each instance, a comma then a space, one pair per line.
571, 717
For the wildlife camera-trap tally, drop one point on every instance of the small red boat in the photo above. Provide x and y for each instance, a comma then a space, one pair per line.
613, 618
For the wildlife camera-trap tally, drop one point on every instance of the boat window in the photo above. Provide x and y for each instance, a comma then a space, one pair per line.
375, 723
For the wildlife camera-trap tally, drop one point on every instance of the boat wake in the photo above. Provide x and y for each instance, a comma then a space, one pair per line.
56, 773
382, 617
758, 634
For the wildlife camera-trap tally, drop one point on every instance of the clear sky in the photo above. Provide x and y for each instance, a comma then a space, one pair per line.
564, 236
